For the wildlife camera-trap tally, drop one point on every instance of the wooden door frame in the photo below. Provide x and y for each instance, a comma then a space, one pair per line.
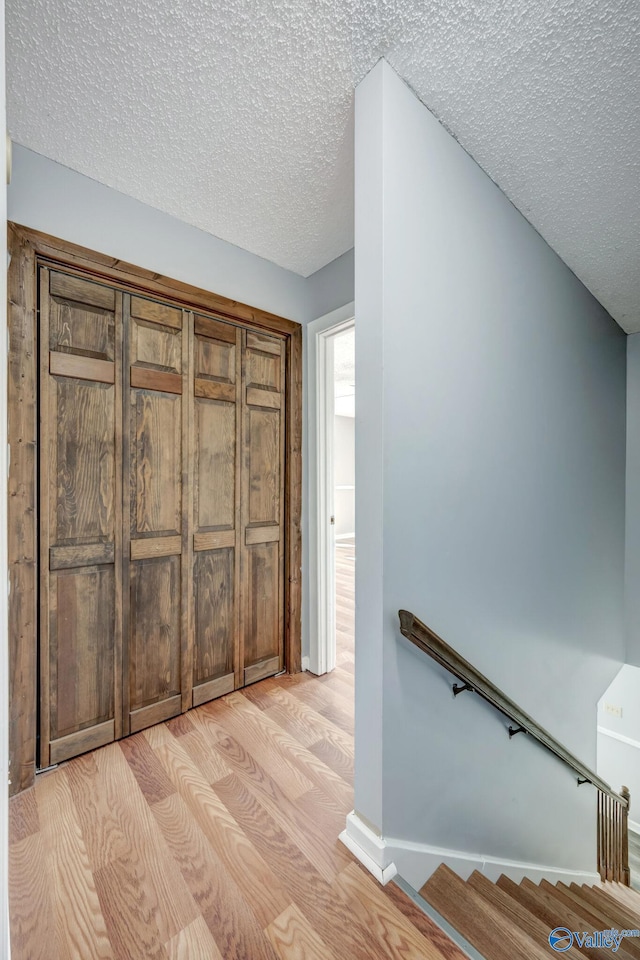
29, 248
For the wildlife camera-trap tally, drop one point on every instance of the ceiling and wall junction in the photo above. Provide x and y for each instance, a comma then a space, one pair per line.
237, 116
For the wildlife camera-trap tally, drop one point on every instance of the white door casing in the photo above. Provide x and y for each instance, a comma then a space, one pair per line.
320, 392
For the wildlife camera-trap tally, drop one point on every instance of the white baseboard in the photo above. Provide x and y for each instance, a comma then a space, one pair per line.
416, 862
346, 536
305, 664
633, 825
369, 848
385, 857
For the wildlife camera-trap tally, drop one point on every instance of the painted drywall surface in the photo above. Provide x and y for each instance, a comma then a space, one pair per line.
619, 759
498, 459
624, 693
618, 764
47, 196
344, 475
632, 557
368, 761
331, 287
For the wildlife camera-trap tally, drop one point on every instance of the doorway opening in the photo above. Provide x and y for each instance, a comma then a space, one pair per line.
331, 379
344, 493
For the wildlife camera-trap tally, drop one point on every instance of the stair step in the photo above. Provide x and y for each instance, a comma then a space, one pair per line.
614, 906
518, 912
540, 902
624, 894
565, 898
551, 912
505, 920
490, 932
613, 913
595, 917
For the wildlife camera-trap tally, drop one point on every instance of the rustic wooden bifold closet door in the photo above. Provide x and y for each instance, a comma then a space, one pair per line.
162, 449
80, 515
156, 481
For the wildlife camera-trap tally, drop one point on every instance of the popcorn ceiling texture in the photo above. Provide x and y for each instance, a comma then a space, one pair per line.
237, 116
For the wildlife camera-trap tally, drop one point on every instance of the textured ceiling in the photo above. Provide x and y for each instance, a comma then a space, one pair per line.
237, 116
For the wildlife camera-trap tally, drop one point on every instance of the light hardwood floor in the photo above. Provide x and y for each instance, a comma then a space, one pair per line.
212, 836
345, 602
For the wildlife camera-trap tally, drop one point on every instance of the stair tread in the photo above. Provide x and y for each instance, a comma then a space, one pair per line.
594, 917
610, 913
563, 896
611, 906
493, 934
618, 890
505, 919
517, 911
548, 909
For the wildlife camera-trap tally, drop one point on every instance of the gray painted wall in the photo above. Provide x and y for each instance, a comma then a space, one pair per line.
619, 737
331, 286
632, 566
490, 465
369, 290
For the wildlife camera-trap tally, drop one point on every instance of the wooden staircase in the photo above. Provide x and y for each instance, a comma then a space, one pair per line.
506, 920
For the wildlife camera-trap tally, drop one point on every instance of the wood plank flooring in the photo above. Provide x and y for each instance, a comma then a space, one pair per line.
214, 836
345, 602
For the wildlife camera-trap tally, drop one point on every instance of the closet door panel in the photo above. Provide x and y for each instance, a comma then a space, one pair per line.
155, 312
215, 359
83, 507
263, 632
154, 648
215, 622
262, 506
157, 348
82, 648
216, 457
81, 515
155, 453
264, 367
263, 464
156, 464
81, 317
215, 487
